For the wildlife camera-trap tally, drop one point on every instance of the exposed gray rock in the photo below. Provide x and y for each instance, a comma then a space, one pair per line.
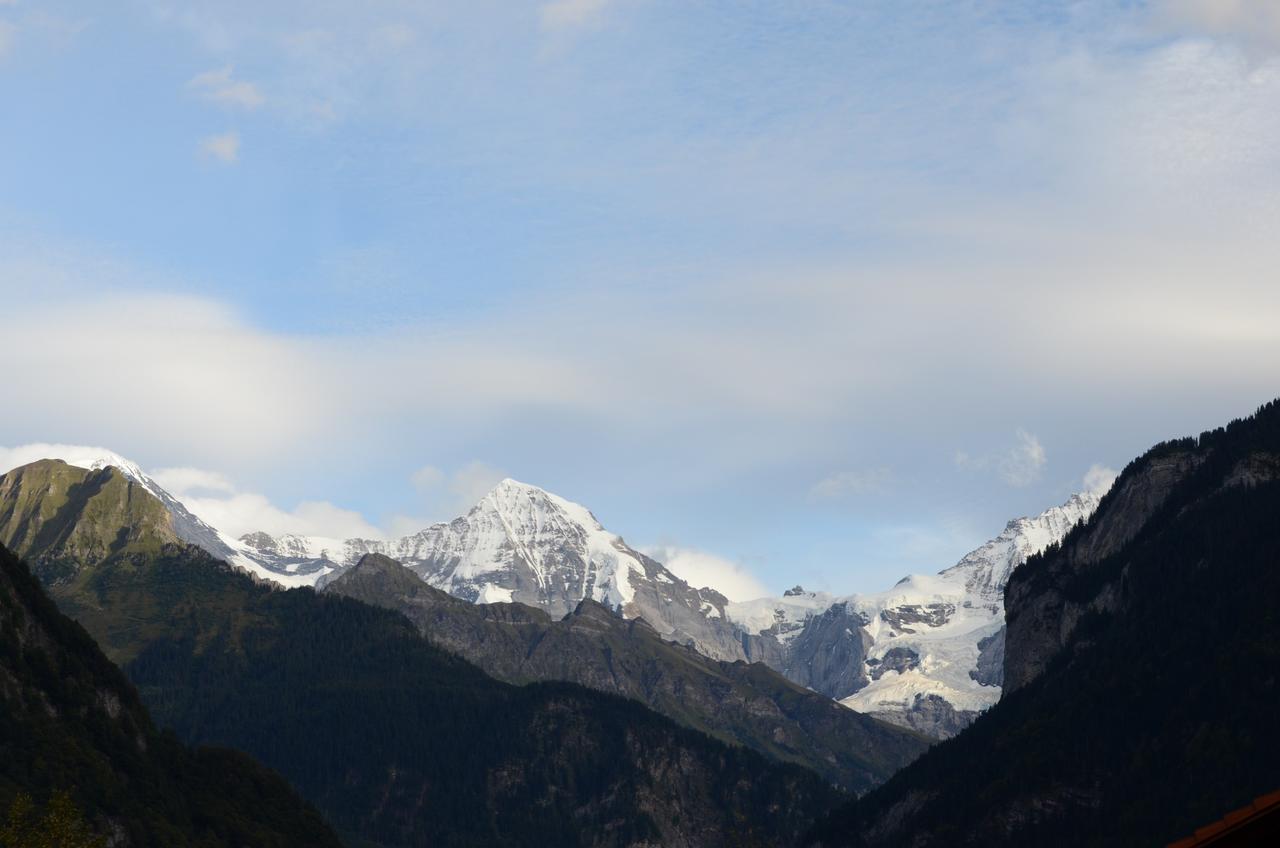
930, 615
828, 655
899, 659
990, 670
931, 715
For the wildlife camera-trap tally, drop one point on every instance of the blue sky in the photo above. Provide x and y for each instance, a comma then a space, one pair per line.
823, 292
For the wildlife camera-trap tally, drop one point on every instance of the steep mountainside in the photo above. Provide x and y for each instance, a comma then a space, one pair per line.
395, 741
522, 544
1142, 656
750, 705
925, 654
72, 722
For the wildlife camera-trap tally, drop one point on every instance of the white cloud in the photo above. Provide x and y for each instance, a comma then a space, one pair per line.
394, 36
181, 481
224, 147
427, 478
246, 512
220, 86
847, 483
449, 494
1255, 22
159, 376
571, 14
1098, 479
1019, 466
700, 568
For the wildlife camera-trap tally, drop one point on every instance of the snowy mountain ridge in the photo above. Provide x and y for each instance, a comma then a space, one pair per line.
514, 525
933, 643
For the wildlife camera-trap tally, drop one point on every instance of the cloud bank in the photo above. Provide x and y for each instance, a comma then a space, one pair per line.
700, 568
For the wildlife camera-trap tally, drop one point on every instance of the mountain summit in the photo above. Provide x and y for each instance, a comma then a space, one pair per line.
524, 544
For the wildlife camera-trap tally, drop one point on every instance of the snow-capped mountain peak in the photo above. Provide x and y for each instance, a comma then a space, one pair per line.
522, 543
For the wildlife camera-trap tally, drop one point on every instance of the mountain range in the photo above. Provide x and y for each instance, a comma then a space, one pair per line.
1105, 671
924, 654
394, 740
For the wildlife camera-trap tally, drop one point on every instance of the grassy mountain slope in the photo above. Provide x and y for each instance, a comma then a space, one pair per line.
1145, 650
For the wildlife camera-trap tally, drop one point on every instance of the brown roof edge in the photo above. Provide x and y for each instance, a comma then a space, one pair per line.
1232, 822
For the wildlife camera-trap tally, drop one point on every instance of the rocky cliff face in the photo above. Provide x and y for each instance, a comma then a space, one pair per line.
1040, 620
593, 646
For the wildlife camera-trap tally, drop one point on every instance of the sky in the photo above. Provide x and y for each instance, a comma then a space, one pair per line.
787, 292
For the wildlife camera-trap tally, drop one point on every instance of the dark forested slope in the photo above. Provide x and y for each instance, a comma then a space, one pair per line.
752, 705
70, 722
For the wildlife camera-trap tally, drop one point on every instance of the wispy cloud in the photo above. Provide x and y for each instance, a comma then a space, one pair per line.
1019, 466
8, 35
450, 493
571, 14
224, 147
186, 480
220, 86
395, 36
238, 513
1255, 22
1099, 478
847, 483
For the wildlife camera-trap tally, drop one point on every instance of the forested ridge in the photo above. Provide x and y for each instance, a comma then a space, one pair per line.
74, 728
401, 743
1158, 714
